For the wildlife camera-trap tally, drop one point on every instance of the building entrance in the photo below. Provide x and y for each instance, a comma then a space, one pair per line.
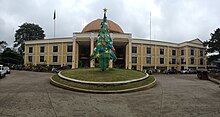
84, 56
120, 54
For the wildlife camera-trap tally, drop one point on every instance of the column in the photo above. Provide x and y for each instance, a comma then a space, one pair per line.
48, 54
110, 63
141, 65
129, 52
25, 55
168, 58
74, 51
92, 61
62, 63
155, 57
186, 58
35, 54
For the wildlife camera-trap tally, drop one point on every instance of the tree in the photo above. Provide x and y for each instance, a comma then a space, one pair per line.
213, 45
104, 50
3, 44
10, 56
27, 31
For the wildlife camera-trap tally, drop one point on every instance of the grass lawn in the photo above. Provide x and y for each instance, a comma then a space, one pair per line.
215, 75
104, 87
96, 75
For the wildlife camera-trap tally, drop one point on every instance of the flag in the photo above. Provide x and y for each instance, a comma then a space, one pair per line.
54, 15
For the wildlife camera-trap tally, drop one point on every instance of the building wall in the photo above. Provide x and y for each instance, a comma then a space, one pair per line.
141, 53
168, 64
48, 53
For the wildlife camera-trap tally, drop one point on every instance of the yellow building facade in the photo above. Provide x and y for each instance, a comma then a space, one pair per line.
132, 53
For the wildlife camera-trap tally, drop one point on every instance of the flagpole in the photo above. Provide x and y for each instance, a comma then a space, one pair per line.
150, 41
54, 23
54, 27
150, 26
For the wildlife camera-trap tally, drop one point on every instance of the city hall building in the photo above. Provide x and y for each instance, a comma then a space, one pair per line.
132, 53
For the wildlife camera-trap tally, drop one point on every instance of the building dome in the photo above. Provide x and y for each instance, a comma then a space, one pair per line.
94, 26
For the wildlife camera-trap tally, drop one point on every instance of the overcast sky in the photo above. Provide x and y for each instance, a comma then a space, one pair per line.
172, 20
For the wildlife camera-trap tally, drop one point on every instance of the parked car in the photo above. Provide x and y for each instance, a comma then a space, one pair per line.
55, 70
192, 71
188, 71
2, 71
7, 69
170, 71
185, 71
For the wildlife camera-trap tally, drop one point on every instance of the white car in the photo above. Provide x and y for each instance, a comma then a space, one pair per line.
7, 69
2, 71
185, 71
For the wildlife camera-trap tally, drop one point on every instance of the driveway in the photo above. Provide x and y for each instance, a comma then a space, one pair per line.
26, 94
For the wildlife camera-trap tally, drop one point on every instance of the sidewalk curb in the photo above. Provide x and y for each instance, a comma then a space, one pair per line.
214, 80
152, 84
102, 83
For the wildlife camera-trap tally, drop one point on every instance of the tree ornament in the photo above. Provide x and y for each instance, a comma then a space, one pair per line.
99, 44
101, 50
106, 52
113, 49
110, 47
98, 55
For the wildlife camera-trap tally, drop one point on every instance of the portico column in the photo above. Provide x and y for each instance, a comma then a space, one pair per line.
142, 54
168, 58
92, 61
187, 58
48, 54
74, 52
155, 57
129, 52
110, 61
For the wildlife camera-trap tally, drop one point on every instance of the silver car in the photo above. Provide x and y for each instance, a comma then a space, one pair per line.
8, 71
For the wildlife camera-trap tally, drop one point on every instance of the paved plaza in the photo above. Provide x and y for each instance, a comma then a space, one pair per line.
25, 94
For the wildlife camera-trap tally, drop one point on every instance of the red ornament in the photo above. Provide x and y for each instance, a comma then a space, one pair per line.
113, 49
104, 44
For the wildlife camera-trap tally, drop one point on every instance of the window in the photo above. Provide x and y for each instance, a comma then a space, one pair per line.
42, 49
69, 48
191, 60
30, 49
161, 51
161, 60
134, 49
55, 48
182, 52
30, 58
192, 52
134, 59
55, 58
173, 61
148, 60
41, 58
174, 52
201, 61
182, 61
201, 52
69, 59
148, 50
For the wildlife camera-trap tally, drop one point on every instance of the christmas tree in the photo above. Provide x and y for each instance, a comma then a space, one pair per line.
104, 50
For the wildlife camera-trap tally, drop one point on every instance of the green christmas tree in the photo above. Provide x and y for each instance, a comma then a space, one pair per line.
104, 50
